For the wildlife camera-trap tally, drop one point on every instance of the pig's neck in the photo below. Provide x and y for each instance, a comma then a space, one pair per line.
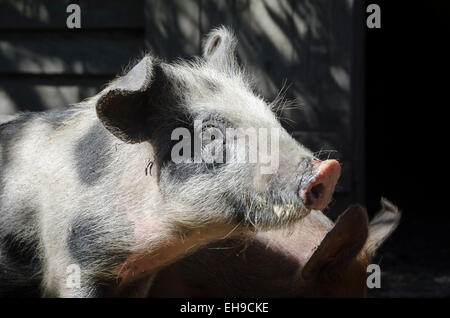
167, 251
156, 242
302, 240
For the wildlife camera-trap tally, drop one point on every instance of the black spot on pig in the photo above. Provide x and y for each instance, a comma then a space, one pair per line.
84, 235
20, 266
183, 171
92, 154
20, 251
92, 242
163, 145
15, 285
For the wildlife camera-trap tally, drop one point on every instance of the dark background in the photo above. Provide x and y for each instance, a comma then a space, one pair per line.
407, 86
377, 97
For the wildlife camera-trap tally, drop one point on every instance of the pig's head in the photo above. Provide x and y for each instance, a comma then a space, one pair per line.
220, 153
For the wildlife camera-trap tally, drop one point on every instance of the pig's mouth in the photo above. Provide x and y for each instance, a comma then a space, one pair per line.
280, 207
262, 211
286, 209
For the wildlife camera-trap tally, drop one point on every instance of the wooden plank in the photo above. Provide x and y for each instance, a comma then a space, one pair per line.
68, 52
36, 94
51, 14
172, 28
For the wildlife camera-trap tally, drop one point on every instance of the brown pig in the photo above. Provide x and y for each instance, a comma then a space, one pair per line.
314, 258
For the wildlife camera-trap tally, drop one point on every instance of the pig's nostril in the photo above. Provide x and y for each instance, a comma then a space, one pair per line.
316, 191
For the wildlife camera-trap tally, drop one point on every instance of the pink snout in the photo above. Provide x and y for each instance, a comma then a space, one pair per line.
317, 194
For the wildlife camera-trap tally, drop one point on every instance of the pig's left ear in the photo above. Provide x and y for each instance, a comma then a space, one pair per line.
340, 245
382, 226
219, 49
122, 107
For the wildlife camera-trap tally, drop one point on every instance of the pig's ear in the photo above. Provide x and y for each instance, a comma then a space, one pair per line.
122, 107
219, 49
339, 246
382, 226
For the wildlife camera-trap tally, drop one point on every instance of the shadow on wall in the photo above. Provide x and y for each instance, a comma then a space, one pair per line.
303, 45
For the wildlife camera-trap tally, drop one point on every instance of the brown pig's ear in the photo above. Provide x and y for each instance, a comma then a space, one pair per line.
340, 245
219, 49
122, 107
382, 226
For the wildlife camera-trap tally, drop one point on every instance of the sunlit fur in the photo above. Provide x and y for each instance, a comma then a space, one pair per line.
61, 170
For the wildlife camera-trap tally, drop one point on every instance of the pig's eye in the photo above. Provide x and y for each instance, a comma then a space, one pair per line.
212, 134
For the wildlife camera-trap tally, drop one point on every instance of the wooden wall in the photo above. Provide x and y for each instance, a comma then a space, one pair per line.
313, 47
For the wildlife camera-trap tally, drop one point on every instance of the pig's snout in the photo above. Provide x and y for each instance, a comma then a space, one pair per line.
317, 190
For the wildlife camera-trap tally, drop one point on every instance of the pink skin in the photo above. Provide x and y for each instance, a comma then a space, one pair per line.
318, 194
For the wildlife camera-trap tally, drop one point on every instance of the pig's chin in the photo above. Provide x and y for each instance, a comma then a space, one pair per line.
285, 210
266, 212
